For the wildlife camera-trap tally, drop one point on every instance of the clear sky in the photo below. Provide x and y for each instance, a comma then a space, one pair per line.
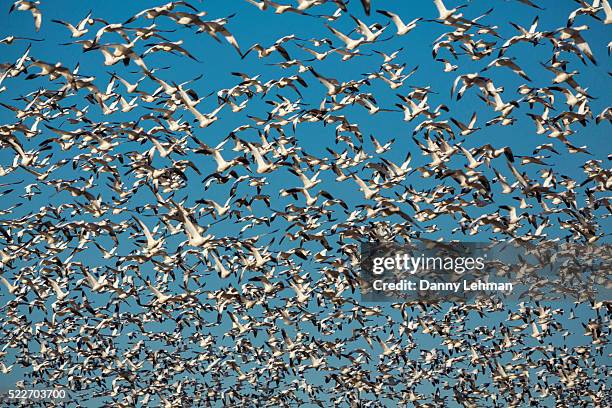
216, 63
250, 26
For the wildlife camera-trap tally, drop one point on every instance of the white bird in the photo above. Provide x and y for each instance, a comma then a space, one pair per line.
221, 210
61, 295
472, 163
219, 267
350, 43
32, 7
262, 165
401, 27
194, 235
605, 4
445, 14
160, 297
368, 192
80, 29
11, 288
470, 128
222, 164
96, 284
153, 245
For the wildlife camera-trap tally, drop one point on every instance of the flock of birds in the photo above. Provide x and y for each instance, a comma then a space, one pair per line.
148, 260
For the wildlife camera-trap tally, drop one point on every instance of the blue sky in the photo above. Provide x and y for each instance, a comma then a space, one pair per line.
251, 26
216, 62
